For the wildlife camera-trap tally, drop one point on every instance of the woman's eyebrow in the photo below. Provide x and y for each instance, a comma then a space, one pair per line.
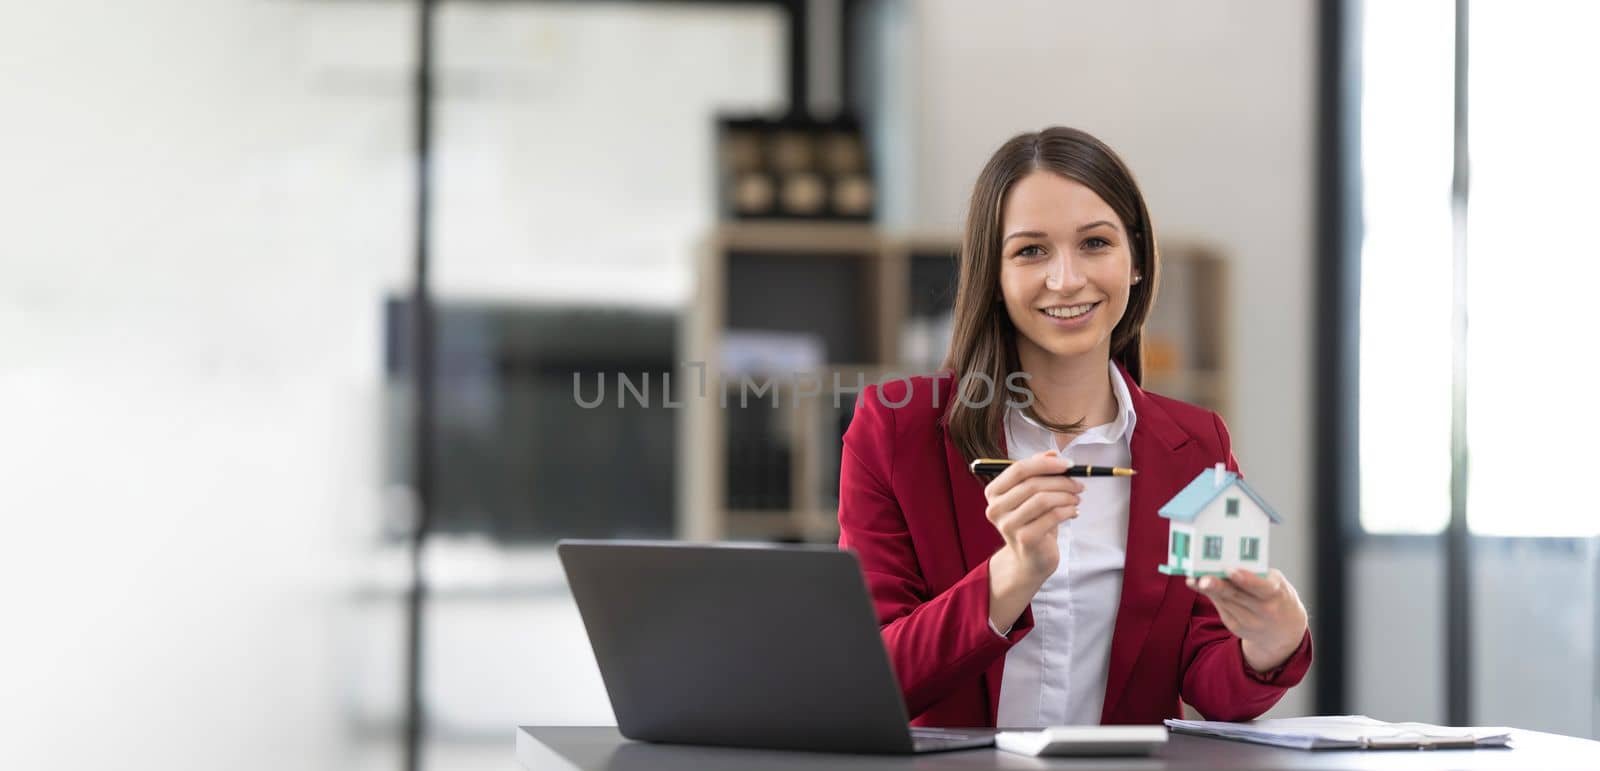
1097, 223
1024, 233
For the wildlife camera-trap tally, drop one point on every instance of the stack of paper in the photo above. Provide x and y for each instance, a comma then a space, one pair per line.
1345, 732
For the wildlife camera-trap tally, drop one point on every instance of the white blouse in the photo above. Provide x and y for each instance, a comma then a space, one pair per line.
1056, 675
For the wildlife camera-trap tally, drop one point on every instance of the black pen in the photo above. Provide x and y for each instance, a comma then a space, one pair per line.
989, 468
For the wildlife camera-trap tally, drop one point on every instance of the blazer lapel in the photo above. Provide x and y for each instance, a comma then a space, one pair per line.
1159, 448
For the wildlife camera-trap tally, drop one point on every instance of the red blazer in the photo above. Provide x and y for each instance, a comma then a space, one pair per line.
914, 515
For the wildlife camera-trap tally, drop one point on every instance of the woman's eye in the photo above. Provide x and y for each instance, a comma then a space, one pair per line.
1096, 244
1033, 250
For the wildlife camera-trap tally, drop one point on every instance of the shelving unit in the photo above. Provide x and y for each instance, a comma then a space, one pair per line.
852, 301
1187, 351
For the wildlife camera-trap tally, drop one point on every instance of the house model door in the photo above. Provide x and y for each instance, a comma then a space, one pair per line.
1180, 549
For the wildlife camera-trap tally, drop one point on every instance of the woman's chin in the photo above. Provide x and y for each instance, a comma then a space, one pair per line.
1068, 346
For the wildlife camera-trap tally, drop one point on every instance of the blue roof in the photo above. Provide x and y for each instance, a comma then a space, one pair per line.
1186, 505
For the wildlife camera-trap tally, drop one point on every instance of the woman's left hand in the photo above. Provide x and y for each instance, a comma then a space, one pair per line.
1264, 611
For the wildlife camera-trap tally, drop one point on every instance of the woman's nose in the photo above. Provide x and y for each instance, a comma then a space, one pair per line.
1062, 273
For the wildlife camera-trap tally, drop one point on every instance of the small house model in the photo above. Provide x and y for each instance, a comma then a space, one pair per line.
1217, 524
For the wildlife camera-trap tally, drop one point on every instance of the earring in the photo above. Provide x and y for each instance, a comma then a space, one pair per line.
1137, 278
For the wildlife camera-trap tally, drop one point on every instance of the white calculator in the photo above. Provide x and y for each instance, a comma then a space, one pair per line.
1084, 740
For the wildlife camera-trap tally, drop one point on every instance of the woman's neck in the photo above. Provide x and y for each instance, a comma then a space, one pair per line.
1068, 390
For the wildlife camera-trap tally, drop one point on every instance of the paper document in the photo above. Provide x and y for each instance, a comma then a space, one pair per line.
1345, 732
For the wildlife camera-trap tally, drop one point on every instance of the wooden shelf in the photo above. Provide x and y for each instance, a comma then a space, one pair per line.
819, 238
890, 296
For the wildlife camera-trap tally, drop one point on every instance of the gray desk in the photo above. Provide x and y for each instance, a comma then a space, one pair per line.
593, 749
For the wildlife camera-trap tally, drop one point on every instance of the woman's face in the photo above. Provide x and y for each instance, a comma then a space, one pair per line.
1065, 268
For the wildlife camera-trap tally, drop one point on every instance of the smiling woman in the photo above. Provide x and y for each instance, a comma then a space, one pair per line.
1035, 600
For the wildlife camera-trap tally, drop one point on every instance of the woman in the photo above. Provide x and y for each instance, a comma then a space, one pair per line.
1034, 600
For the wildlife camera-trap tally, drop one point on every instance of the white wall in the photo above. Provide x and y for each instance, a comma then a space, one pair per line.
1211, 104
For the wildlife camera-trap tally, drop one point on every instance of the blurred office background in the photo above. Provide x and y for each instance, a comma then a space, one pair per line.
209, 390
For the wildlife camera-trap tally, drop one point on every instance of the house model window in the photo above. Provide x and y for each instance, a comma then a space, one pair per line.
1208, 515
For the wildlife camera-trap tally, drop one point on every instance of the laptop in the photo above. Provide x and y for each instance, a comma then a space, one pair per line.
743, 645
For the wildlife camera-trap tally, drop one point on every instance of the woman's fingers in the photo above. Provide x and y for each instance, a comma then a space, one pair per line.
1036, 508
1042, 528
1220, 592
1026, 477
1047, 462
1216, 587
1244, 611
1018, 496
1230, 619
1260, 587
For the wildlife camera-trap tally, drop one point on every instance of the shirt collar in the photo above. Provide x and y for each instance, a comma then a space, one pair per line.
1120, 427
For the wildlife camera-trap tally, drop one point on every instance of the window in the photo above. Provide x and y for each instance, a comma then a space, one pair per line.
1532, 162
1529, 162
1213, 547
1249, 548
1180, 543
1407, 120
1233, 507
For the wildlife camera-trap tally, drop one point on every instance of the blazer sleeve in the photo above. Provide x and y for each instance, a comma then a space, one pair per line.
1216, 680
935, 642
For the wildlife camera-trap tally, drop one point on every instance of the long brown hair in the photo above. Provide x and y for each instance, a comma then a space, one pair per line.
984, 339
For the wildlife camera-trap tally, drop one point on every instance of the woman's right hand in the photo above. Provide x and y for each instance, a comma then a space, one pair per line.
1027, 504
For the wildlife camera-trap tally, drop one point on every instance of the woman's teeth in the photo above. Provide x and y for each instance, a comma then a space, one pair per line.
1069, 311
